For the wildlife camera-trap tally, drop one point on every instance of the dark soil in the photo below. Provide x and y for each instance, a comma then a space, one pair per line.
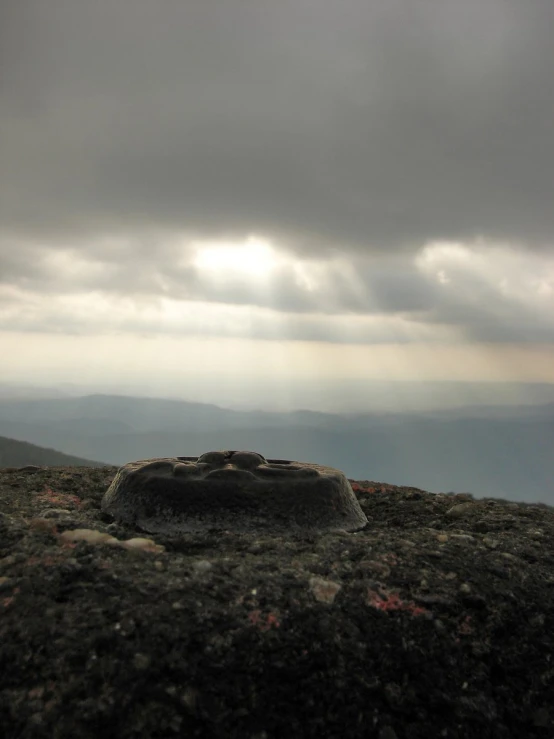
437, 620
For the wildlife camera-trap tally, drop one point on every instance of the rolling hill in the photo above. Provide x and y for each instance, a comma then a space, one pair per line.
15, 453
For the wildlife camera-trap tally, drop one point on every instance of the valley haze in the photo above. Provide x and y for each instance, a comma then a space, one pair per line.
500, 449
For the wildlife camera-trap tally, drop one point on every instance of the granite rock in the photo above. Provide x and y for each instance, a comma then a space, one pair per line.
236, 491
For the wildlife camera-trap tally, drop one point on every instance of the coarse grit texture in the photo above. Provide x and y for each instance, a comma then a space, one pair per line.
435, 620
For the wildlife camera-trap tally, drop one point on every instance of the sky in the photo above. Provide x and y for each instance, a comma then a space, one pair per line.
244, 200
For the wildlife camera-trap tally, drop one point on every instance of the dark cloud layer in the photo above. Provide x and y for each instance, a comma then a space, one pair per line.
329, 126
398, 154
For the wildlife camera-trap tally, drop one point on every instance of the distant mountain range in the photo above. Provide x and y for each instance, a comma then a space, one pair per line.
15, 453
501, 451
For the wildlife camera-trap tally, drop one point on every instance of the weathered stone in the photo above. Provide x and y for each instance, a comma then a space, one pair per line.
232, 490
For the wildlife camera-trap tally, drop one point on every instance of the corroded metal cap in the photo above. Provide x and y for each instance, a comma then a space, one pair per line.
235, 491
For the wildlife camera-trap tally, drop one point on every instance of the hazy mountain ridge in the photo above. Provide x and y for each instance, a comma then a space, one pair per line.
142, 414
148, 414
506, 455
14, 453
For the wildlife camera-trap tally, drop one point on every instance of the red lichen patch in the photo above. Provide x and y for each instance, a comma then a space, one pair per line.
390, 558
43, 524
6, 602
465, 627
377, 487
50, 497
264, 623
357, 488
385, 601
46, 561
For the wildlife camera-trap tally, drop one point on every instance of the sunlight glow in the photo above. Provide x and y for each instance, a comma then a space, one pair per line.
255, 257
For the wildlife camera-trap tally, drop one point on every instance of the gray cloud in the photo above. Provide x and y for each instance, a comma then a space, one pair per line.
502, 295
350, 134
333, 127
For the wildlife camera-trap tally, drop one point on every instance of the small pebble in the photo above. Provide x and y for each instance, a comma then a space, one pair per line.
459, 510
98, 537
89, 535
490, 543
141, 661
324, 591
202, 566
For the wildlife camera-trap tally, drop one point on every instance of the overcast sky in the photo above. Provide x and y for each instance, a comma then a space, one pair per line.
251, 188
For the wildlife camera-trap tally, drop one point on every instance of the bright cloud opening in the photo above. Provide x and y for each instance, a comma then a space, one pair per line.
255, 257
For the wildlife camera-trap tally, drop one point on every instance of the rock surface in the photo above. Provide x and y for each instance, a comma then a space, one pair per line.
235, 491
436, 620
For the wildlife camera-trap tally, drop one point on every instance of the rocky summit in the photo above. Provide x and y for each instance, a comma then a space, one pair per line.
435, 620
